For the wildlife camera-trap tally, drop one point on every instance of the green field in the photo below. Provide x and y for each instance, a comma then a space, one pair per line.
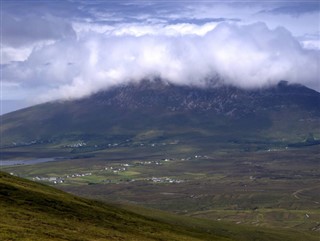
32, 211
266, 188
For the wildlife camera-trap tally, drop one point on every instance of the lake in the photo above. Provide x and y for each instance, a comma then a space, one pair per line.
28, 162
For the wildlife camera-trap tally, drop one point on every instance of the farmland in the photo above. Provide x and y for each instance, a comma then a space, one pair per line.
271, 187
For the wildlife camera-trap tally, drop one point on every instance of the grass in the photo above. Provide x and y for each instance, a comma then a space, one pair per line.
239, 187
32, 211
261, 217
247, 176
240, 183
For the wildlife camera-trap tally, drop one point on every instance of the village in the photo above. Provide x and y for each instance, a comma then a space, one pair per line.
165, 180
60, 180
115, 172
114, 169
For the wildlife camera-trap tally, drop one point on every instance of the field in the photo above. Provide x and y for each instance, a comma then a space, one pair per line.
256, 186
32, 211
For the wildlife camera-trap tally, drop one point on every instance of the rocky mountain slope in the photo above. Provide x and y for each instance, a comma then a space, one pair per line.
283, 112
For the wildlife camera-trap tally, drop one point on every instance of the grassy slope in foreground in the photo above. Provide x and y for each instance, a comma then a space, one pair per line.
32, 211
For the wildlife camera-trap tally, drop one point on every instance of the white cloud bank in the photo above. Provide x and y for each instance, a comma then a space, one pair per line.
246, 56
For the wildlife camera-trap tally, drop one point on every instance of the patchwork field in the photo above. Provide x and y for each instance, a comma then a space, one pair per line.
32, 211
269, 188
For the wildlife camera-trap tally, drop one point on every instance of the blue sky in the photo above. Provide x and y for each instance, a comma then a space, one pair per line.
54, 50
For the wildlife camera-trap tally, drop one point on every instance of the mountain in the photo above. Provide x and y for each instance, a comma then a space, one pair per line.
150, 121
33, 211
156, 111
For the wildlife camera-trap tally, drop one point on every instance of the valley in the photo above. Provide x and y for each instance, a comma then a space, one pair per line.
268, 188
242, 159
145, 120
32, 211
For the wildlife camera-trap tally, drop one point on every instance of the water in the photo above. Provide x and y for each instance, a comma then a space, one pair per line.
28, 162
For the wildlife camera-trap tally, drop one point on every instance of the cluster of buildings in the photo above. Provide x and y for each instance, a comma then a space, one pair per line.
60, 180
76, 145
165, 180
115, 169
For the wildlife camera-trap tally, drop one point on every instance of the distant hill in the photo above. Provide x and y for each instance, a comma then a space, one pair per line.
32, 211
155, 110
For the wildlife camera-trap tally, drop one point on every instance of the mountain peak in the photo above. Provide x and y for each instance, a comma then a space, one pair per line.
163, 95
137, 107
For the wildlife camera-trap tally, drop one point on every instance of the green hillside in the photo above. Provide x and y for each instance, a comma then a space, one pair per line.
32, 211
155, 112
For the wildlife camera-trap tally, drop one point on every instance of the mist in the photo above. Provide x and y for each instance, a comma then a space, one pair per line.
245, 56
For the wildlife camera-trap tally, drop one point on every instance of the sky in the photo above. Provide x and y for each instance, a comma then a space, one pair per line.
60, 50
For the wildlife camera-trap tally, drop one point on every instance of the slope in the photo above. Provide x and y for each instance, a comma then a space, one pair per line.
282, 113
32, 211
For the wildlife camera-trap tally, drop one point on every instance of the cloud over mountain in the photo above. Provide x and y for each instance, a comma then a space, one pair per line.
246, 56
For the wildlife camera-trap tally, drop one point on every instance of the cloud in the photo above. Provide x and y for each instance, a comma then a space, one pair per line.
14, 54
246, 56
310, 41
21, 31
21, 34
295, 8
137, 30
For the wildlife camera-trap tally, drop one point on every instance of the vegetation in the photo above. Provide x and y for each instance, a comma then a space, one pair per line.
272, 188
246, 161
32, 211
